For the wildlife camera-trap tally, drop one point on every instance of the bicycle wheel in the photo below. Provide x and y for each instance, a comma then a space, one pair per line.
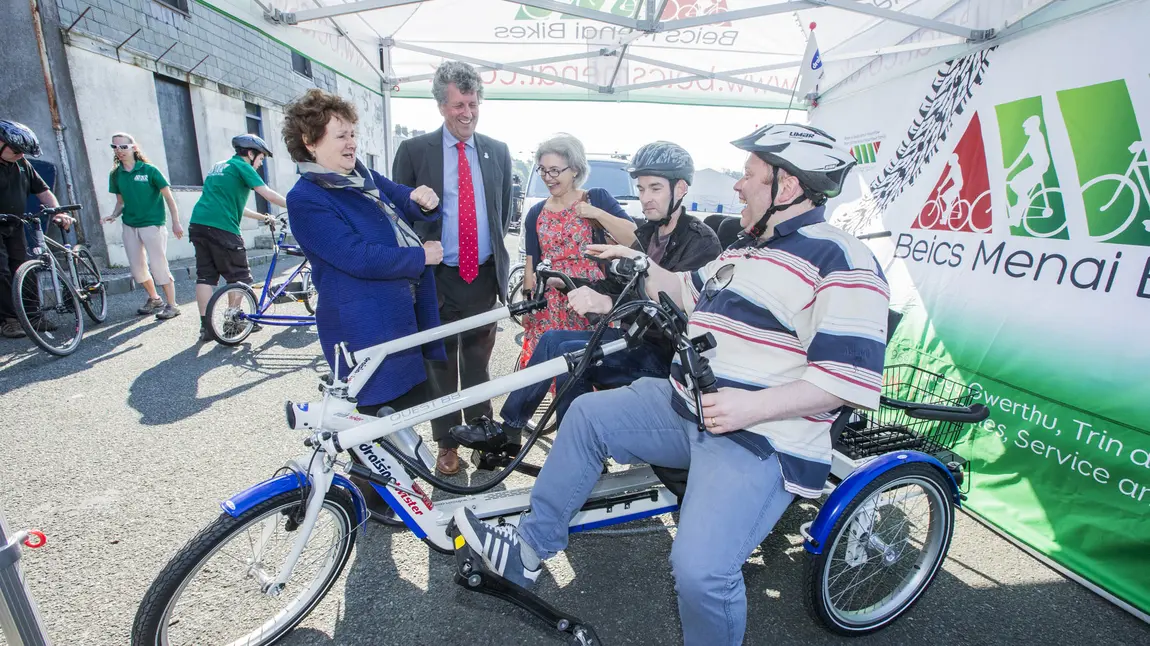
210, 592
309, 295
93, 294
929, 215
229, 313
1108, 211
54, 324
883, 552
515, 291
1039, 218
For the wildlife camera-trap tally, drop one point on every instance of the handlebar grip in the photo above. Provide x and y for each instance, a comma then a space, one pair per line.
568, 284
963, 415
66, 208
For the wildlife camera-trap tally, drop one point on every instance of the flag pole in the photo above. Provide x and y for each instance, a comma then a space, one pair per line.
798, 79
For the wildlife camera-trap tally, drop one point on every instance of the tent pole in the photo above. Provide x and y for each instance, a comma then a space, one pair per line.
386, 84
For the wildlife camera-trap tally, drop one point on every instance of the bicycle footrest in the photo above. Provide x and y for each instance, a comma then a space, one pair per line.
492, 460
472, 574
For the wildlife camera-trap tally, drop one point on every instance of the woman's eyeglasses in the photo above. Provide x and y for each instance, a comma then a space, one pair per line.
122, 146
551, 172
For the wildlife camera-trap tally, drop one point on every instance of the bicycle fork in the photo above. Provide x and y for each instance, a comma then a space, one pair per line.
320, 476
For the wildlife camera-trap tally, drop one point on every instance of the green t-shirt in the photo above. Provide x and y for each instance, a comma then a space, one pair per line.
140, 188
226, 191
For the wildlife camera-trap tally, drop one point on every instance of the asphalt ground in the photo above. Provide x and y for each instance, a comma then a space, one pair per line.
121, 452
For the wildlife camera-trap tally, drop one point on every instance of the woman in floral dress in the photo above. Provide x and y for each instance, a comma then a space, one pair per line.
560, 228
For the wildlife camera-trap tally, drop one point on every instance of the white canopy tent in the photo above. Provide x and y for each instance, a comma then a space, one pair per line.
705, 52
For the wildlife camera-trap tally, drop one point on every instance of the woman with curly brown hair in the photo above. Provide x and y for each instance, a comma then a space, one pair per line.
373, 275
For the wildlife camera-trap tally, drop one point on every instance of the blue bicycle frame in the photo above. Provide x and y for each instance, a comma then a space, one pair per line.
266, 300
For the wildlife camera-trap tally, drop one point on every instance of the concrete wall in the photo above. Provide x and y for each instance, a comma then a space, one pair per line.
24, 98
107, 85
237, 56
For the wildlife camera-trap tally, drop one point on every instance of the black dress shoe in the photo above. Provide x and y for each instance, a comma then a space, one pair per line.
482, 433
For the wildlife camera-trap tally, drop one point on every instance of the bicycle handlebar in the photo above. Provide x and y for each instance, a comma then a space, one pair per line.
48, 210
938, 412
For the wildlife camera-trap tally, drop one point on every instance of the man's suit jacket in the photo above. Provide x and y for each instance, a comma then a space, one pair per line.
419, 161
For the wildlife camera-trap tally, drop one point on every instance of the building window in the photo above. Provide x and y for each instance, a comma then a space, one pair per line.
371, 159
256, 127
301, 64
178, 5
179, 130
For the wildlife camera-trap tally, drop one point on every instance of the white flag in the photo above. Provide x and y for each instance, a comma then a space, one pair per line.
811, 72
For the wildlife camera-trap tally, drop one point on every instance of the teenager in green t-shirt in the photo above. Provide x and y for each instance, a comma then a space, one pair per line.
141, 191
214, 229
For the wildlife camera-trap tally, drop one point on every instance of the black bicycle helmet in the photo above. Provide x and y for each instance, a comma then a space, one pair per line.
244, 143
663, 159
19, 137
819, 162
667, 160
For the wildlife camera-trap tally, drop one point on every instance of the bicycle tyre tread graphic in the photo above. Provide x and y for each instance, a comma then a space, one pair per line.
146, 628
31, 270
953, 86
816, 565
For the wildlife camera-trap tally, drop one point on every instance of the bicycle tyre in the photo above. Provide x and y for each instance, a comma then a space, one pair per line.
309, 293
515, 291
153, 618
231, 328
58, 341
93, 292
817, 598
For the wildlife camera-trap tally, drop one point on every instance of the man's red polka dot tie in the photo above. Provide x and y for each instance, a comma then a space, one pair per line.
468, 228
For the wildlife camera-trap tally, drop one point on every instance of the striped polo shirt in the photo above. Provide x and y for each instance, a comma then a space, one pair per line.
809, 303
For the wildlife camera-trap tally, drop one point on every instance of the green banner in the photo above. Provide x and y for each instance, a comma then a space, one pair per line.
1070, 484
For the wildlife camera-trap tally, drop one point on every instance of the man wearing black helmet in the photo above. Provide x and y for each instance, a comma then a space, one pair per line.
798, 309
214, 229
18, 180
674, 240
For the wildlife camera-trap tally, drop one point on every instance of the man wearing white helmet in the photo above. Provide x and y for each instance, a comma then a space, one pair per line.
799, 315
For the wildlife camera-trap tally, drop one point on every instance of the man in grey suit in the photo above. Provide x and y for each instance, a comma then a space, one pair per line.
472, 173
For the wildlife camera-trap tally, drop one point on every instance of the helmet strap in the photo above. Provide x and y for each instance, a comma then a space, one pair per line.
760, 227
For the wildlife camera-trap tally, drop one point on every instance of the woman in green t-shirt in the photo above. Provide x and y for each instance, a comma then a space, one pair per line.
141, 191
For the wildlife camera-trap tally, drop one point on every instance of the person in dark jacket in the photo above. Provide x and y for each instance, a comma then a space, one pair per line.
674, 240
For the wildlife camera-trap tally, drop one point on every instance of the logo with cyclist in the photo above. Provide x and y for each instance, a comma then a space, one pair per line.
1109, 155
960, 200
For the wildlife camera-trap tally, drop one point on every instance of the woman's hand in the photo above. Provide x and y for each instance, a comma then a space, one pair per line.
178, 230
108, 220
588, 212
432, 252
425, 198
609, 251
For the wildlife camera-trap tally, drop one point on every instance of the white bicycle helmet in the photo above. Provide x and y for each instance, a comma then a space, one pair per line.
819, 162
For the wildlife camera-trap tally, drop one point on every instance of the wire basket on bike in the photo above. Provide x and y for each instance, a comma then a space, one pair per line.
873, 433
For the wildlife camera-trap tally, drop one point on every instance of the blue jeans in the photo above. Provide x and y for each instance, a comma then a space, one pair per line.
617, 369
733, 499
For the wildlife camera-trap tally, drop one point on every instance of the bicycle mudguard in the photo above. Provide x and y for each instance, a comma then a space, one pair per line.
293, 481
472, 574
842, 496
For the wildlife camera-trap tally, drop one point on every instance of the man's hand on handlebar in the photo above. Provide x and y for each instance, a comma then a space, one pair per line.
585, 300
63, 220
609, 251
731, 409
